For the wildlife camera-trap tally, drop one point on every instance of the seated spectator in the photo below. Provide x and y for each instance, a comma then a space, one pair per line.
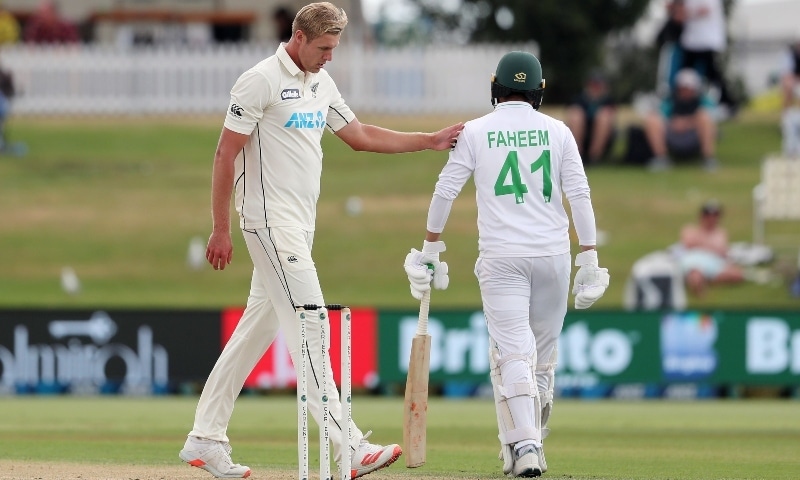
47, 26
591, 117
703, 252
790, 87
685, 125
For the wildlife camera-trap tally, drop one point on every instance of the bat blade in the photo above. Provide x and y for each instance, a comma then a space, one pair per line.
415, 411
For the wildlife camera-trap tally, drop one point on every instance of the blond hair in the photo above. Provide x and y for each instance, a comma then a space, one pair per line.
317, 19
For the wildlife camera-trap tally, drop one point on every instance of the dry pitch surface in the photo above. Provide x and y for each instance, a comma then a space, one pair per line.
25, 470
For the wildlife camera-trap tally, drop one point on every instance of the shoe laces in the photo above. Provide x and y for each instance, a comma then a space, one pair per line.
224, 450
365, 447
366, 435
525, 450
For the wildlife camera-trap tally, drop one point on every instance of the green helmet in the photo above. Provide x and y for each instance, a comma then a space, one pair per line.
520, 73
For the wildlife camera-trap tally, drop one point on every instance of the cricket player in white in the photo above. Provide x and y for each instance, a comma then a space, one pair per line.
270, 151
522, 162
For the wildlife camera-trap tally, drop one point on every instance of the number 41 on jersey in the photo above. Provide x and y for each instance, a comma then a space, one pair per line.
517, 187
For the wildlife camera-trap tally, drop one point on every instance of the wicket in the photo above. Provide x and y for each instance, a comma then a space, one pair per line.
302, 393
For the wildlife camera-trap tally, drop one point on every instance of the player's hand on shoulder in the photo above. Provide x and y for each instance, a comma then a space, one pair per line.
424, 269
447, 137
590, 281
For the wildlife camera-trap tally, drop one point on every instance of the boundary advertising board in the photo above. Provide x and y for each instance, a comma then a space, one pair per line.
143, 352
605, 347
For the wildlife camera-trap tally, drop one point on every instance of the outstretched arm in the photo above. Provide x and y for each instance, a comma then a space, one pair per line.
371, 138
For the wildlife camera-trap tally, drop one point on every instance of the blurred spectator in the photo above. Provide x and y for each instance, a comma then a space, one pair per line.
47, 26
790, 87
790, 74
673, 28
283, 19
685, 125
703, 251
7, 92
668, 42
703, 41
592, 116
9, 27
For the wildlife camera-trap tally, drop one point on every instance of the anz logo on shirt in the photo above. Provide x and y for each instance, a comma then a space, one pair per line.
306, 120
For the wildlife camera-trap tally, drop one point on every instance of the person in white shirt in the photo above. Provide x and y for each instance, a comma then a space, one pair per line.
270, 151
522, 162
703, 40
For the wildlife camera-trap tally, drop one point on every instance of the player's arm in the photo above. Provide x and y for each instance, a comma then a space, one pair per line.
576, 188
418, 263
432, 236
370, 138
590, 281
459, 167
455, 174
219, 251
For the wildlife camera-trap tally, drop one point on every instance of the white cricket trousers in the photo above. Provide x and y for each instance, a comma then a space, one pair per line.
524, 301
284, 276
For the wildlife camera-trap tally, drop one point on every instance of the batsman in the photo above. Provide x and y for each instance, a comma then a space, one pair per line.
523, 162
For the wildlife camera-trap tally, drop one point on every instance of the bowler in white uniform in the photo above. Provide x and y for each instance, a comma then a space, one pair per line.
270, 152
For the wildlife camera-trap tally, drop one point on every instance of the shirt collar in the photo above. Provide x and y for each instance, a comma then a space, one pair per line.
513, 104
287, 61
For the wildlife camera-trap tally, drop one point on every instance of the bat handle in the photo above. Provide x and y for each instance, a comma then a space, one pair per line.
424, 306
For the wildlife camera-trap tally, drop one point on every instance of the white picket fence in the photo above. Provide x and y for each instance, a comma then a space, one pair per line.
96, 79
88, 79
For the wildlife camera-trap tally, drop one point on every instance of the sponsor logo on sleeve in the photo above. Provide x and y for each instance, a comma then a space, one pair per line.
236, 110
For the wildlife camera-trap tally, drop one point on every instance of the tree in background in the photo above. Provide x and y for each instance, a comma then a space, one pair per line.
571, 34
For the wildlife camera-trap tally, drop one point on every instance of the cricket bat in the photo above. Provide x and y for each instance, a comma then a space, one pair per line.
415, 407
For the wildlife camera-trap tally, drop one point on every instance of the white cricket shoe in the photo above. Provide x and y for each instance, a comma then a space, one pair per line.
212, 456
369, 457
526, 462
542, 461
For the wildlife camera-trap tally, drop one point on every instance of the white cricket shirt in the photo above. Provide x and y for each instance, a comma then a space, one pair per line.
522, 161
285, 112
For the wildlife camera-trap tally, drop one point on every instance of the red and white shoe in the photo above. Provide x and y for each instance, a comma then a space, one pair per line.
369, 457
212, 456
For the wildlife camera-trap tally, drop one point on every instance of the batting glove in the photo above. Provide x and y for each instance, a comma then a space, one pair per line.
424, 268
590, 281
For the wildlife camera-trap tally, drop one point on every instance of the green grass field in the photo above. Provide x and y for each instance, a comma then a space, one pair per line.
127, 438
118, 200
